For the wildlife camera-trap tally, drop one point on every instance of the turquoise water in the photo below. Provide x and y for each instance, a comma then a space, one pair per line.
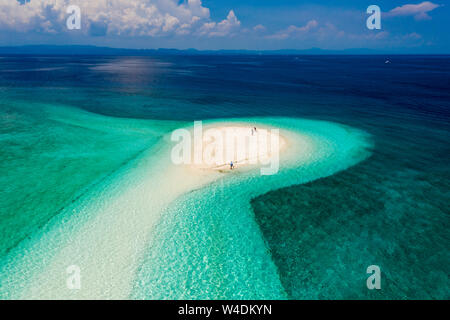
390, 210
51, 155
84, 178
212, 250
215, 249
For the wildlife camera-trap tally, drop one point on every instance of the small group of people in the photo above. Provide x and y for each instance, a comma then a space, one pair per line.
232, 163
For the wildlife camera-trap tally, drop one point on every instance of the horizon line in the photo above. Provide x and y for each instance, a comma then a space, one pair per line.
21, 49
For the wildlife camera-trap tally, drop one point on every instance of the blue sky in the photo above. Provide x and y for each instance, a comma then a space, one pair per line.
407, 26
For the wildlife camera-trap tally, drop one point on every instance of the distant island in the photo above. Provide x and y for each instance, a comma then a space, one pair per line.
95, 50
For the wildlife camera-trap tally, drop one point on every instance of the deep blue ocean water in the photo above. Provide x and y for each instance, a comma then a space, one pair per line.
391, 210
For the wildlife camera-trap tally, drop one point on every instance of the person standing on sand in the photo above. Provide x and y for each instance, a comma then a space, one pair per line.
231, 165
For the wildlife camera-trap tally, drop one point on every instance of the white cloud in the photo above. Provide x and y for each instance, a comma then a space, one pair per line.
115, 17
294, 31
419, 11
223, 28
259, 28
413, 36
329, 30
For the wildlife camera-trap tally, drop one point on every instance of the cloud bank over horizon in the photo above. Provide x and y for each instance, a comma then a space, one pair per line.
116, 17
205, 24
